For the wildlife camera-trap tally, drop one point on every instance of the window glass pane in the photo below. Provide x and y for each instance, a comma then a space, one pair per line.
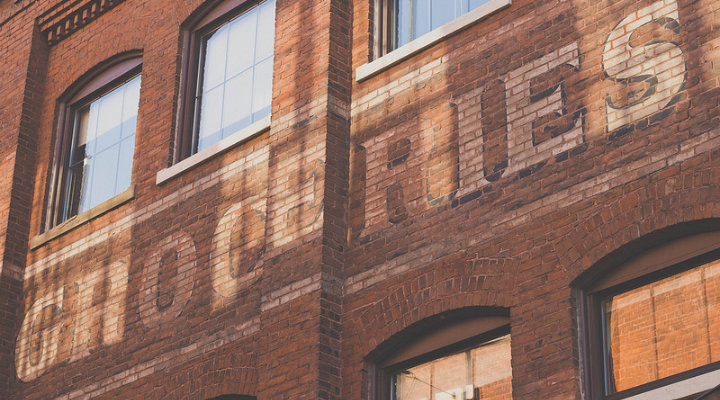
262, 89
266, 31
109, 119
492, 371
86, 172
215, 57
484, 370
451, 377
442, 11
241, 43
712, 287
87, 122
130, 107
420, 19
104, 176
237, 103
477, 3
124, 169
403, 22
414, 384
210, 118
97, 171
662, 328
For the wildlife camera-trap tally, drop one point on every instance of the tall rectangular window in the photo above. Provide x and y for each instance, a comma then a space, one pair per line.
231, 71
101, 157
94, 151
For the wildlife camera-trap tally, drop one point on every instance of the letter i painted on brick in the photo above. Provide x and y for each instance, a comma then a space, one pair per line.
643, 59
482, 137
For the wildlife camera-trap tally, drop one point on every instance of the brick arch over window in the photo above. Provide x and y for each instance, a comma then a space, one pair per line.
474, 283
90, 76
220, 373
635, 217
465, 339
671, 234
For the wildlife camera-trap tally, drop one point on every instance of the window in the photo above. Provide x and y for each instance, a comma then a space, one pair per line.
229, 73
654, 323
466, 358
96, 140
407, 20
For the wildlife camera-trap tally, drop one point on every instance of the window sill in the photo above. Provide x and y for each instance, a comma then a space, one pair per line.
423, 42
213, 151
82, 218
678, 390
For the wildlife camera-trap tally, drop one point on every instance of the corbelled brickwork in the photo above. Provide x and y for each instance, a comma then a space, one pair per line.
488, 170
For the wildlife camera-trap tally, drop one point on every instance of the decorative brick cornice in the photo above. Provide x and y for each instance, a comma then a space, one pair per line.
60, 22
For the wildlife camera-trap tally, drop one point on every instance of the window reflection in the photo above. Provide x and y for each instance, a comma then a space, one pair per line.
663, 328
414, 18
103, 145
236, 75
483, 372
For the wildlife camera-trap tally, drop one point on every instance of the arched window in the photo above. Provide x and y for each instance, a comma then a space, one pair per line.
95, 141
652, 322
462, 354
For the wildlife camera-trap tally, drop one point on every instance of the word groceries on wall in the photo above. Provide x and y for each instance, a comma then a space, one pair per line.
508, 143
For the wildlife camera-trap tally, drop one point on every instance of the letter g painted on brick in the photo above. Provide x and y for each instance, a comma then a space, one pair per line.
37, 344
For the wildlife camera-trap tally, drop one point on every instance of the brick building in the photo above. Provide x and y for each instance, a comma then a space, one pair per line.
366, 199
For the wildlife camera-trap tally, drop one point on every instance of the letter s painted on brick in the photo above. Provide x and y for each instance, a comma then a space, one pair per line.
647, 66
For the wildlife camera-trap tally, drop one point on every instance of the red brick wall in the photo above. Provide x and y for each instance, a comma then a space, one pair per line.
490, 169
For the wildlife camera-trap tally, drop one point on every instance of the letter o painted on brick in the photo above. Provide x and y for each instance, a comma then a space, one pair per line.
156, 306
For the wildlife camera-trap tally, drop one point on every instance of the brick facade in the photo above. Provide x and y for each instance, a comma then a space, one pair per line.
490, 170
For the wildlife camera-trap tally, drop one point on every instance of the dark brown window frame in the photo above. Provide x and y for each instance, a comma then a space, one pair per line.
384, 25
95, 84
654, 264
398, 353
210, 18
